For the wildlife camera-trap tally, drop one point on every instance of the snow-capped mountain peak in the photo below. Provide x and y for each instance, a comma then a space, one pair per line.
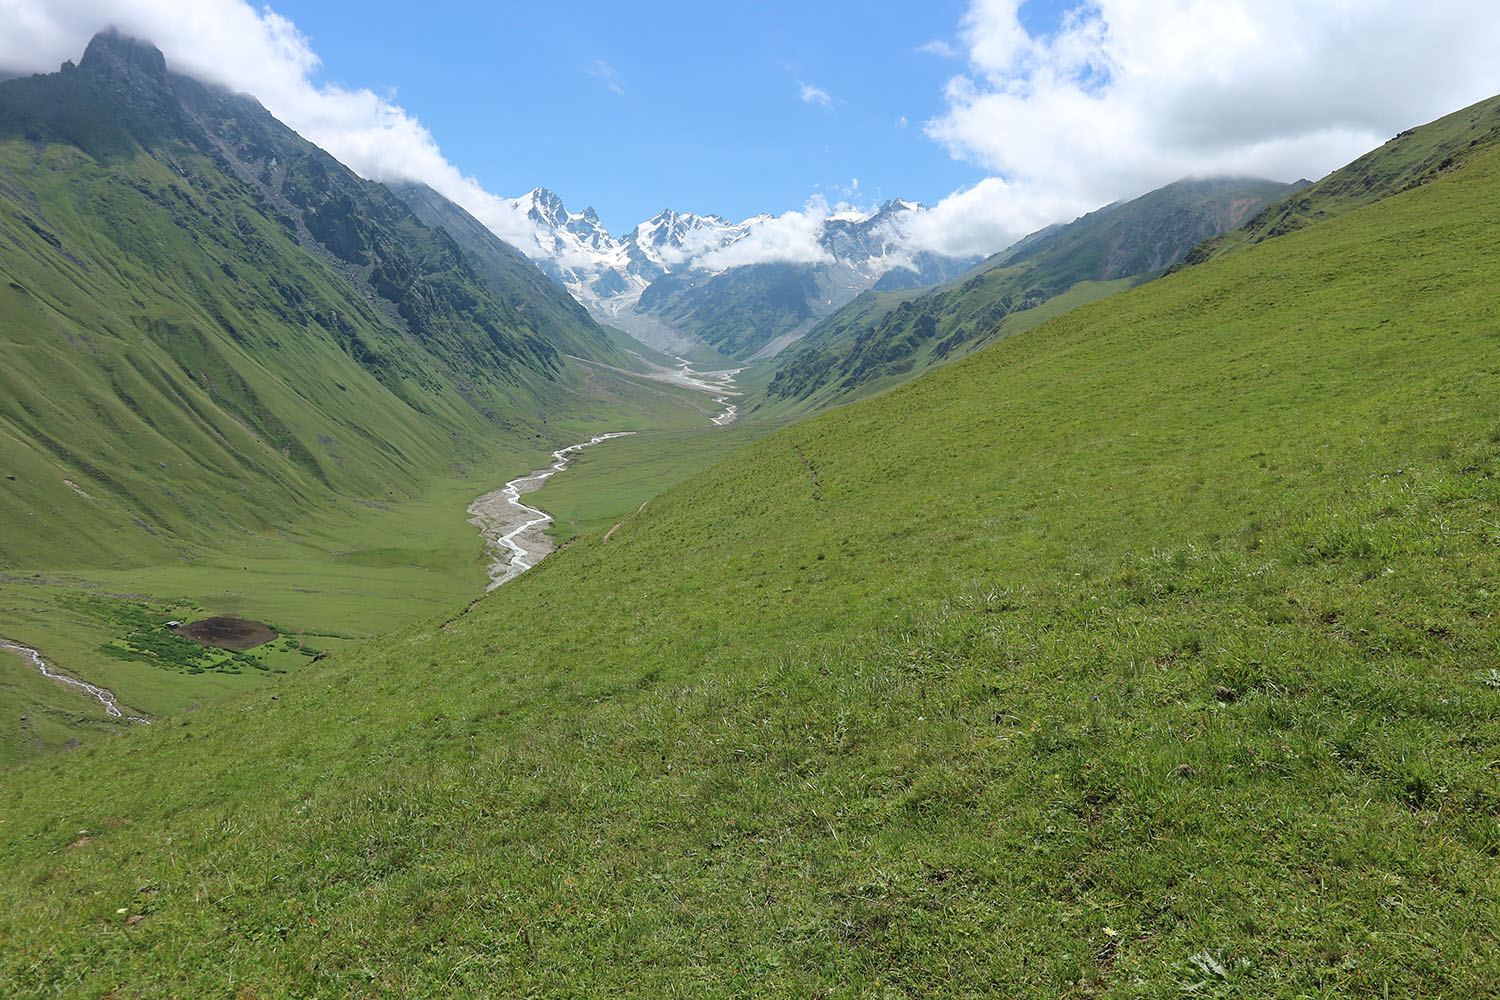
850, 248
672, 239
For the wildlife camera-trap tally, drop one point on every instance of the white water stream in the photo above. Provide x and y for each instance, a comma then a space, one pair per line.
516, 533
103, 696
719, 384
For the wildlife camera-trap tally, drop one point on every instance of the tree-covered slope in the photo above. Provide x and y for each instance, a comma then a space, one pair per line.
1150, 652
211, 326
881, 339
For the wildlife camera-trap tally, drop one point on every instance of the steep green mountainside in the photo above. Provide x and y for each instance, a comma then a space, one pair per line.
1412, 158
1151, 652
212, 325
513, 278
881, 339
236, 378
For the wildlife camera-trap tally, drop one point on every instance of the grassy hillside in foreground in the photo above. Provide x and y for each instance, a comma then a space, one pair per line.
1151, 651
606, 485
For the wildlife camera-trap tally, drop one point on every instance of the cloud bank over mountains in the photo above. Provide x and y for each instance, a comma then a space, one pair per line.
1124, 96
1128, 95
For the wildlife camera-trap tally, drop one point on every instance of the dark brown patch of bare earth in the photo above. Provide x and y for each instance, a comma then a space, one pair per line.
238, 634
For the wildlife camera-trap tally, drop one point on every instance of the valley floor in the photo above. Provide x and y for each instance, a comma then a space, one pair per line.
349, 571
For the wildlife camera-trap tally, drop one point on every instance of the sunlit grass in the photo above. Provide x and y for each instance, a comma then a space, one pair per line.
1149, 652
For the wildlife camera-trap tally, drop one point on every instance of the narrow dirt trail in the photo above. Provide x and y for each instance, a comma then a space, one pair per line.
102, 695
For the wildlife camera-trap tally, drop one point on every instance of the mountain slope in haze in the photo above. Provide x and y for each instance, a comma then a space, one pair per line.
736, 312
963, 690
753, 311
512, 277
878, 339
1415, 157
213, 327
677, 281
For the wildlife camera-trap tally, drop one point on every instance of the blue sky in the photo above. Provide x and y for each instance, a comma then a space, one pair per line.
704, 111
1027, 117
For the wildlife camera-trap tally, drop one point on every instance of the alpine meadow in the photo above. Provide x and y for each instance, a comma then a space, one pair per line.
410, 592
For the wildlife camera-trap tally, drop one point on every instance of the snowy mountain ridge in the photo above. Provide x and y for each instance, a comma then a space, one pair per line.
848, 249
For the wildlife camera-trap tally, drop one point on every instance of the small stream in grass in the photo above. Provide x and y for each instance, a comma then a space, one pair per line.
516, 534
719, 384
102, 695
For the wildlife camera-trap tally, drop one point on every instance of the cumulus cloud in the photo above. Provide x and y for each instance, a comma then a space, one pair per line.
1127, 95
254, 50
815, 95
791, 237
1121, 97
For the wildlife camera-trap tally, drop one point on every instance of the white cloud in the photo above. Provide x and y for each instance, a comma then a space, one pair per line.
254, 50
1127, 95
984, 218
788, 238
1124, 96
815, 95
938, 47
609, 75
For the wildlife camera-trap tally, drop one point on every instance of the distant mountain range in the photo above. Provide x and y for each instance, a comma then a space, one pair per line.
882, 337
680, 281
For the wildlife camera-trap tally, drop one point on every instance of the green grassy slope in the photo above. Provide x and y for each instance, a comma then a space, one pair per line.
637, 356
883, 339
212, 327
1151, 651
236, 378
549, 309
605, 486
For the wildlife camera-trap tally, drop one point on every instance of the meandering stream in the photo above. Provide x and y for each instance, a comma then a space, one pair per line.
517, 534
103, 696
719, 384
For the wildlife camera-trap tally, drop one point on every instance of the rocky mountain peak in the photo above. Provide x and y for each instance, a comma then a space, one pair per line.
547, 207
112, 53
